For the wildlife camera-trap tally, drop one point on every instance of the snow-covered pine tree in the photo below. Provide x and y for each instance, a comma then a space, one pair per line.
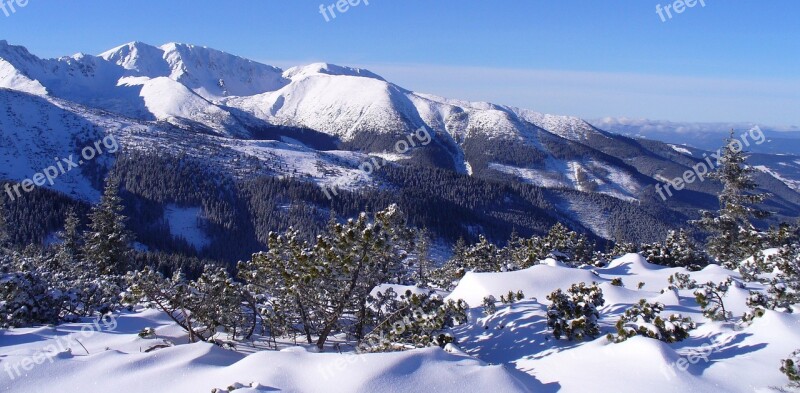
558, 242
107, 243
733, 236
621, 248
201, 307
416, 321
784, 234
512, 254
685, 251
783, 293
352, 260
567, 246
422, 263
219, 303
483, 256
69, 250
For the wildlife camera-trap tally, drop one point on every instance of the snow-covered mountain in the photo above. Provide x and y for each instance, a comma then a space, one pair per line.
320, 123
230, 96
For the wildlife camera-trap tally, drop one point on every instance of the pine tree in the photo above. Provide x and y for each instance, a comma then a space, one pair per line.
521, 253
454, 269
423, 264
733, 236
484, 257
70, 247
567, 246
107, 242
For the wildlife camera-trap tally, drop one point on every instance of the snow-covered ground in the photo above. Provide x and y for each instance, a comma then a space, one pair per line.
509, 351
184, 222
109, 356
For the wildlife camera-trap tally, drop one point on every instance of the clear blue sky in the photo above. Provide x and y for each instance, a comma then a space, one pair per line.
728, 61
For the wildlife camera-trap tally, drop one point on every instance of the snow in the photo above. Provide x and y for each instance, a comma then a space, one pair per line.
116, 361
535, 282
208, 72
599, 177
793, 184
185, 223
517, 335
681, 150
509, 351
567, 127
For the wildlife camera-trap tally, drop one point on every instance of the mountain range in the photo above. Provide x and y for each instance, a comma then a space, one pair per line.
205, 134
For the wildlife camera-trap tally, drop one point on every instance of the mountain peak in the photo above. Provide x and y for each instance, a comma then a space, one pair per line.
140, 58
300, 72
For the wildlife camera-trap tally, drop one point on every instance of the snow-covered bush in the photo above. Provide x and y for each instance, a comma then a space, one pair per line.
783, 293
791, 368
419, 320
644, 319
512, 297
315, 287
201, 307
37, 288
489, 305
708, 296
560, 243
147, 332
26, 296
574, 314
681, 281
678, 250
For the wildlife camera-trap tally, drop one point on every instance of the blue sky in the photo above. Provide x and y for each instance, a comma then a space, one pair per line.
725, 61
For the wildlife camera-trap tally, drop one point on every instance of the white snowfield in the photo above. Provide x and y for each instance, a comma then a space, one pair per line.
510, 351
116, 363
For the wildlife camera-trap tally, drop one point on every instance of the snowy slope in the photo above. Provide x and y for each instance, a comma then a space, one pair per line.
518, 335
209, 73
201, 367
34, 130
